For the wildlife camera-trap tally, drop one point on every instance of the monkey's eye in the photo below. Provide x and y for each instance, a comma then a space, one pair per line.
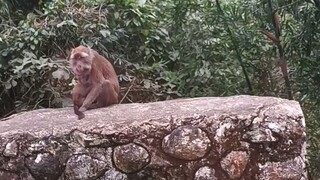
81, 58
86, 60
74, 63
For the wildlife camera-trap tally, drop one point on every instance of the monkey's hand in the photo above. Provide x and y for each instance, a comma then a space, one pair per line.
77, 112
81, 115
82, 109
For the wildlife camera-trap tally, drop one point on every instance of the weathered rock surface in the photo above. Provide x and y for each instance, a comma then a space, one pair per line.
44, 166
113, 175
130, 158
239, 137
84, 167
11, 149
205, 173
235, 163
187, 143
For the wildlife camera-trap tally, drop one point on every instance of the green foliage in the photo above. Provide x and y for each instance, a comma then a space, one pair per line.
162, 50
33, 48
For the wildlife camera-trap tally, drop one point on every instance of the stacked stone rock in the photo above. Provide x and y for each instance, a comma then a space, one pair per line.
240, 137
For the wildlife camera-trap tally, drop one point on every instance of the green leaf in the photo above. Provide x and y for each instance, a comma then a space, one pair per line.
174, 55
156, 37
29, 55
20, 45
147, 83
128, 22
147, 51
7, 85
116, 15
71, 22
14, 83
60, 73
164, 31
44, 32
105, 32
136, 22
86, 26
61, 24
141, 2
5, 53
145, 32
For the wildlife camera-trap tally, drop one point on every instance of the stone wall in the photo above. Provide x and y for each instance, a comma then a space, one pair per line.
239, 137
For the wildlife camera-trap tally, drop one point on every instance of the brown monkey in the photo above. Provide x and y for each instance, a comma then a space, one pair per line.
97, 83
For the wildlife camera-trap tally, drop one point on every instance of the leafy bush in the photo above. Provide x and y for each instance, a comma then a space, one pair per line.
34, 50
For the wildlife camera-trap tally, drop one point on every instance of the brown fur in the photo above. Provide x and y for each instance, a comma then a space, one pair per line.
97, 83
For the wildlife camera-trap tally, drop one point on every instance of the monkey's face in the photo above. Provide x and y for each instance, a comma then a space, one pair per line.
80, 63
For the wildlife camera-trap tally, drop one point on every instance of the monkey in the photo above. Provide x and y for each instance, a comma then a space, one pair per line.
97, 83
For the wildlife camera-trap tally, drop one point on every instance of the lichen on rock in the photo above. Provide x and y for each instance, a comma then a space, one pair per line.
11, 149
205, 173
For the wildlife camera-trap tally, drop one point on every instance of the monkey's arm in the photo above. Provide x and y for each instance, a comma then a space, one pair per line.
77, 99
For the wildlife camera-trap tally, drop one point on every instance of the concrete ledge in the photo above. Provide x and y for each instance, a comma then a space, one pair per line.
238, 137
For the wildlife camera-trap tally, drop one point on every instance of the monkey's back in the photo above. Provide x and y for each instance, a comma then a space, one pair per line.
107, 69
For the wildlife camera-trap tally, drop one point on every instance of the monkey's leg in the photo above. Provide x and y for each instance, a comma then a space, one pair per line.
78, 99
109, 95
95, 105
104, 95
91, 97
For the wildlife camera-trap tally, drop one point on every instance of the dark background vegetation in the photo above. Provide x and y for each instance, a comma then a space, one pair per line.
165, 49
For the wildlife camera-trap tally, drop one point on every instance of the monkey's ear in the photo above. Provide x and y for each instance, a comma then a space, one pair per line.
83, 54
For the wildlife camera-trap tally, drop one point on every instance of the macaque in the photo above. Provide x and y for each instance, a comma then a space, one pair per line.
97, 83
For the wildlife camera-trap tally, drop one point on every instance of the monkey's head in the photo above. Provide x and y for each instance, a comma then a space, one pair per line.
81, 60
